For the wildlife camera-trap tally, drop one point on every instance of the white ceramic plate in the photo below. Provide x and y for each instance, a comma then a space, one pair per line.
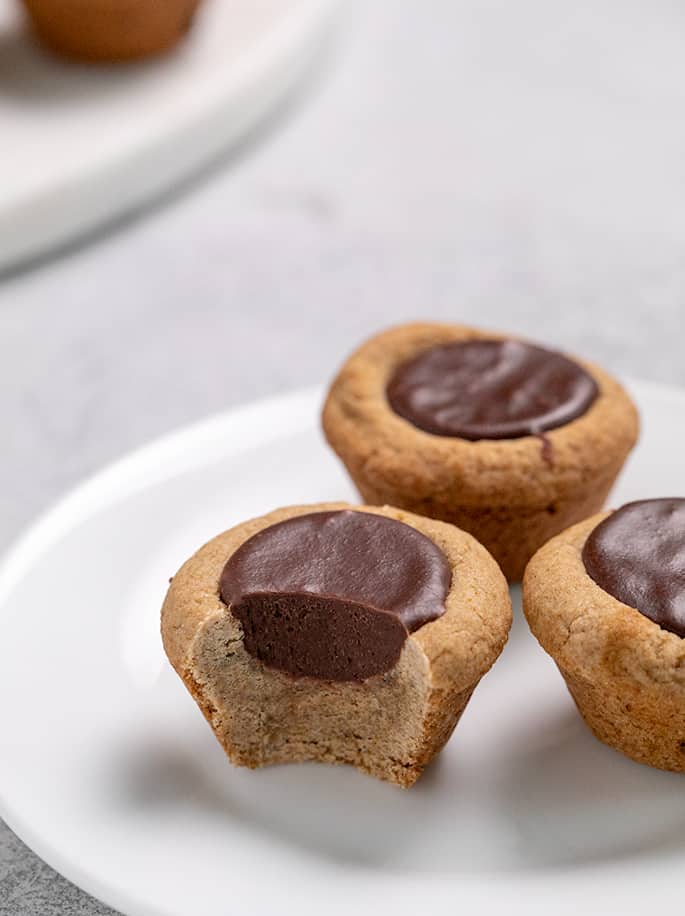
109, 771
82, 145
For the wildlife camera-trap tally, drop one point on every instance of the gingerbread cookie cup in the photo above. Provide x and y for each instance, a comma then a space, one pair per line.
511, 490
625, 671
336, 634
109, 31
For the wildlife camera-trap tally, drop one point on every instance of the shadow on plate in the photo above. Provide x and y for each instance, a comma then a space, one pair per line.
572, 801
566, 802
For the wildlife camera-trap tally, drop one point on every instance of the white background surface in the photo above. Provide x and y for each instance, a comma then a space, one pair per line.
513, 165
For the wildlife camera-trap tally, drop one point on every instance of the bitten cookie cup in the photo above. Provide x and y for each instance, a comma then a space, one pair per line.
110, 31
389, 724
512, 494
625, 672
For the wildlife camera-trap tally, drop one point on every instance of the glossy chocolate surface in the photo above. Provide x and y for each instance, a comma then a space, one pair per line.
333, 595
637, 555
490, 389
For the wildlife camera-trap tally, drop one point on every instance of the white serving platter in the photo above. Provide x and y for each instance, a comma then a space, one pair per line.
110, 773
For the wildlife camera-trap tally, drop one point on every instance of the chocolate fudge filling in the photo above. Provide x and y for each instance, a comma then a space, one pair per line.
490, 389
637, 555
333, 595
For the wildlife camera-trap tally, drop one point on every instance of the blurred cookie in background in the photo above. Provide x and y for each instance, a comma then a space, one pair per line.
111, 31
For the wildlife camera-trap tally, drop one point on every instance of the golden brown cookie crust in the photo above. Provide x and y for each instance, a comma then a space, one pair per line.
110, 30
508, 493
625, 673
440, 664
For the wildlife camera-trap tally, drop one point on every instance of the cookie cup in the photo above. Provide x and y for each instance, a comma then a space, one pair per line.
626, 674
110, 30
390, 725
511, 494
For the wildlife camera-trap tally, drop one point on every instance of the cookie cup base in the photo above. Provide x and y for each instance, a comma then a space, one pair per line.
390, 725
625, 673
511, 494
352, 735
623, 715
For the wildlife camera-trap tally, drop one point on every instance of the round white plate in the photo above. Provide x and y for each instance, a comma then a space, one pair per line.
109, 771
83, 145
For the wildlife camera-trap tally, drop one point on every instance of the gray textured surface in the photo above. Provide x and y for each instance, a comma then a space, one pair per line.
513, 165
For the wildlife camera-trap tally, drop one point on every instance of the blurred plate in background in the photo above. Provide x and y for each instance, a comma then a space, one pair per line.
83, 145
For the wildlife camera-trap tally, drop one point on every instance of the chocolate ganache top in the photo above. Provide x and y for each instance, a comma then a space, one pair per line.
334, 594
637, 555
490, 389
